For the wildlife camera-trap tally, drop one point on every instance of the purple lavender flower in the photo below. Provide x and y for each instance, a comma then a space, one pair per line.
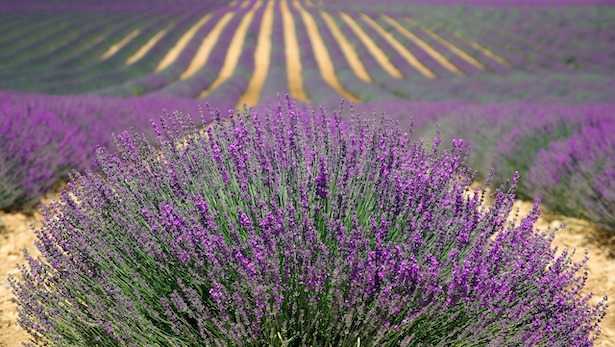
399, 252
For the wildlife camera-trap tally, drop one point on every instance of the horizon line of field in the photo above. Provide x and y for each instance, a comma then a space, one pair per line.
385, 34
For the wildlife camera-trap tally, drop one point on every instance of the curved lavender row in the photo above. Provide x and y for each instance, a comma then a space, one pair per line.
531, 87
192, 87
155, 81
41, 62
443, 31
315, 86
158, 80
50, 81
95, 73
421, 55
68, 28
285, 226
365, 91
397, 88
538, 38
22, 34
576, 176
407, 71
481, 28
232, 90
276, 83
10, 54
46, 137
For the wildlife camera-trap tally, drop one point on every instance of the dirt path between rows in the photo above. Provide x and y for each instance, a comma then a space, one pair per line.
18, 234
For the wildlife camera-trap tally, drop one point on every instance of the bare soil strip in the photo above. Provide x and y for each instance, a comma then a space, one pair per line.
294, 71
262, 59
484, 50
399, 48
234, 51
437, 56
119, 45
353, 59
181, 44
321, 55
207, 46
372, 47
16, 234
143, 50
451, 47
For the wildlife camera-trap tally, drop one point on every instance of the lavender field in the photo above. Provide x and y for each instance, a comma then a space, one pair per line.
307, 173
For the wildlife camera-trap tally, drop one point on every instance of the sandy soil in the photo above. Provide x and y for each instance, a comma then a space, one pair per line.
18, 234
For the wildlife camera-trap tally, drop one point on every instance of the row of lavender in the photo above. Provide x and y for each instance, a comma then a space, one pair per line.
556, 54
43, 138
564, 153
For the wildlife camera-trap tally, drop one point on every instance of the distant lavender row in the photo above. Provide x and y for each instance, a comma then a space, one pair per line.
42, 138
563, 53
564, 153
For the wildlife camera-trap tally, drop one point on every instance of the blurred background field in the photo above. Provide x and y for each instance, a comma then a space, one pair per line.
529, 84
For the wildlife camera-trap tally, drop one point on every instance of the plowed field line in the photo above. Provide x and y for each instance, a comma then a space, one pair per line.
234, 51
321, 54
451, 47
207, 46
262, 59
294, 71
143, 50
372, 47
484, 50
111, 51
181, 44
353, 59
399, 48
437, 56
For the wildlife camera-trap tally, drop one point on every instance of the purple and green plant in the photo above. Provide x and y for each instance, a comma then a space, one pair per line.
287, 227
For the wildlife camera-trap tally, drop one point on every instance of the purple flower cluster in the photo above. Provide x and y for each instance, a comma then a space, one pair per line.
43, 138
290, 227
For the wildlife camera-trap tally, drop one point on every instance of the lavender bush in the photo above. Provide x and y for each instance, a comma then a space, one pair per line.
291, 228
